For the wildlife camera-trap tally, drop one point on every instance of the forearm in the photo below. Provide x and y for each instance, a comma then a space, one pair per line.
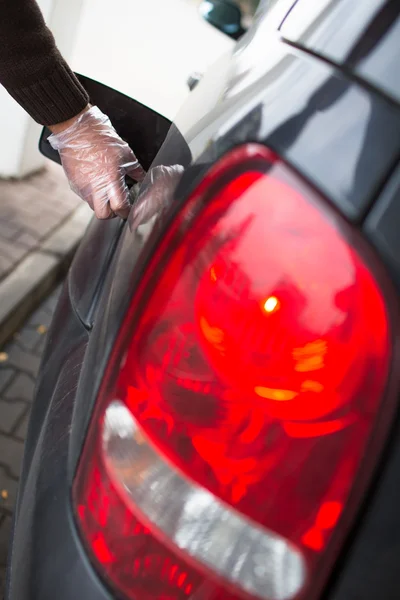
32, 69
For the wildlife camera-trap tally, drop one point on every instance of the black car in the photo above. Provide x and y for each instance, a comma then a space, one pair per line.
216, 413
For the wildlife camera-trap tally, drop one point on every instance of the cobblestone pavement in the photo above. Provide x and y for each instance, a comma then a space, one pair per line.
30, 210
19, 364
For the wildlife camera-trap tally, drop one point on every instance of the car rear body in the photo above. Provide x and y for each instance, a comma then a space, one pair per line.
327, 103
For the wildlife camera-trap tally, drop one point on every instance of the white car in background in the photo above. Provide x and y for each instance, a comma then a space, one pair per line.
150, 53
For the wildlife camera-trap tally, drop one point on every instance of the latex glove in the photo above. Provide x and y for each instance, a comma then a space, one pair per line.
157, 193
96, 160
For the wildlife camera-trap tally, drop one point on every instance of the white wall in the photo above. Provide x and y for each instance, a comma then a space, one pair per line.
13, 124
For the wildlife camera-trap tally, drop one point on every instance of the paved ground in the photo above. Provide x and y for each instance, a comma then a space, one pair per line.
19, 363
29, 211
41, 224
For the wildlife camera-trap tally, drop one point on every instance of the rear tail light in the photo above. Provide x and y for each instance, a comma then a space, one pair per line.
241, 413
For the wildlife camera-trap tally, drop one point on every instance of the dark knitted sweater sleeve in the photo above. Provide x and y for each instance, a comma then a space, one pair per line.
32, 69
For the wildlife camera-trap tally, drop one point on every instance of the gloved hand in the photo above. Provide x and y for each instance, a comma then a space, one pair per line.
96, 160
156, 193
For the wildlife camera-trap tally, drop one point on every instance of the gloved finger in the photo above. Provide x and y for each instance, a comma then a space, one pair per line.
84, 192
101, 205
135, 171
118, 197
103, 211
132, 166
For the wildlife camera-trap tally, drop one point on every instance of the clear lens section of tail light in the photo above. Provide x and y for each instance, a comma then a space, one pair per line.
257, 560
246, 400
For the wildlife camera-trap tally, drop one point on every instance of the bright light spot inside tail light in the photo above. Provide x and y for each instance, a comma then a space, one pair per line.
271, 304
273, 394
250, 557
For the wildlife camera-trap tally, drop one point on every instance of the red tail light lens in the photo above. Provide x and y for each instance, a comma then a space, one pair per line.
227, 448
